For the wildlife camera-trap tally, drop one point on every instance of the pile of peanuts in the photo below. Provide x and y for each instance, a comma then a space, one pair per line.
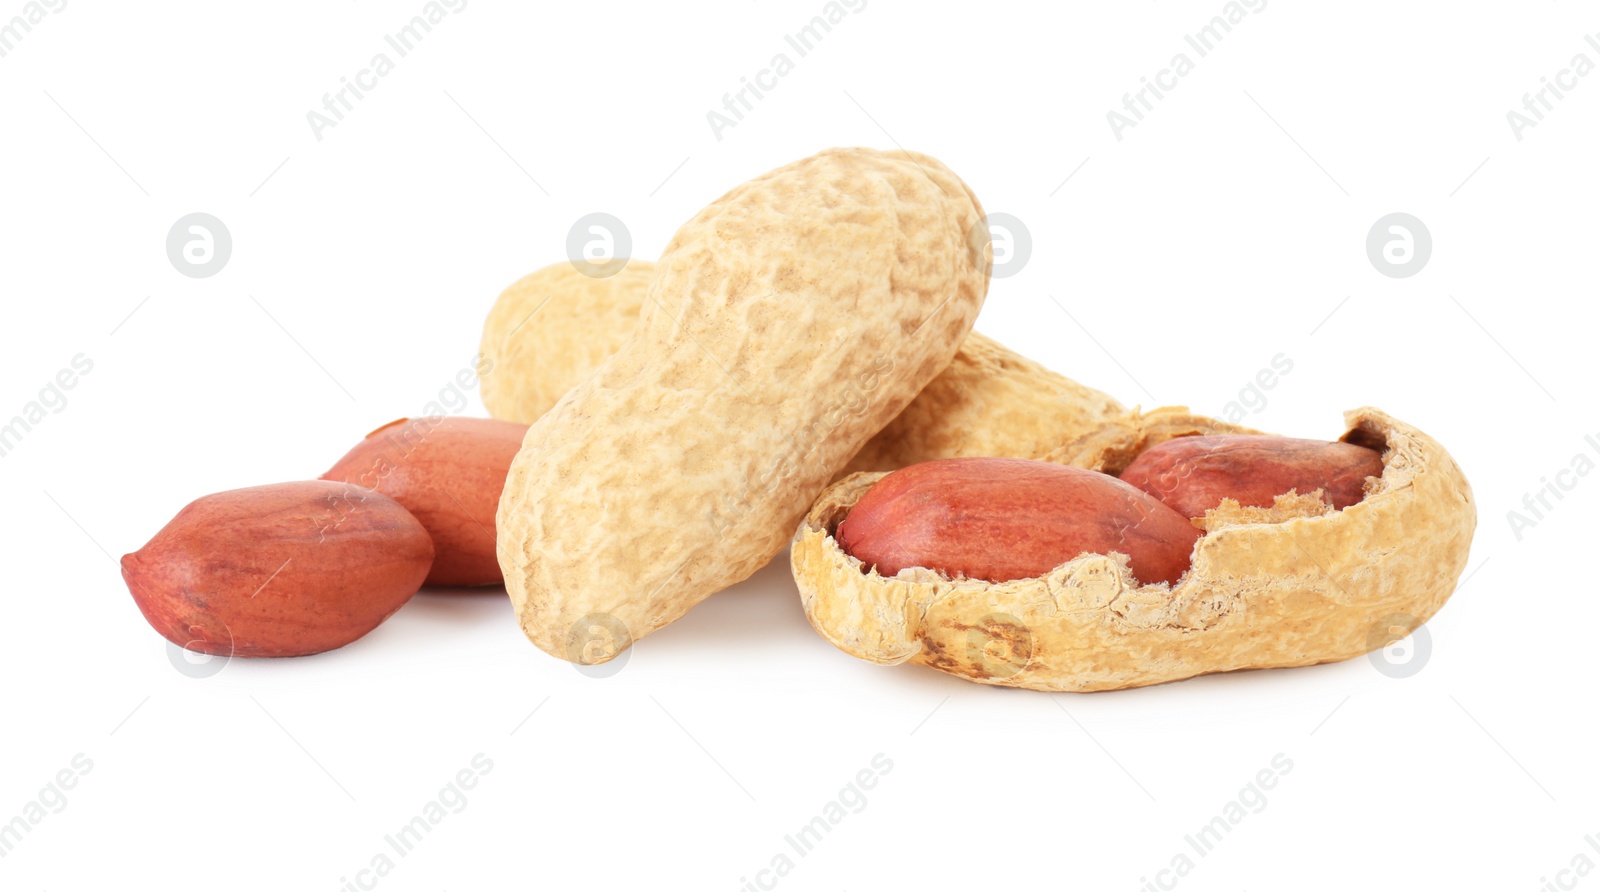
798, 370
291, 569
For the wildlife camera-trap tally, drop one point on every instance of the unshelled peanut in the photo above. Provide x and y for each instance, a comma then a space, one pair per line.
448, 472
277, 571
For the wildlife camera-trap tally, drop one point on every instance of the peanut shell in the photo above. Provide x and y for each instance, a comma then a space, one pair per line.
786, 323
1292, 585
553, 327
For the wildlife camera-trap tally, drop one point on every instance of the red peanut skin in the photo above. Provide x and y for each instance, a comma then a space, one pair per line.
999, 519
1193, 474
448, 472
283, 570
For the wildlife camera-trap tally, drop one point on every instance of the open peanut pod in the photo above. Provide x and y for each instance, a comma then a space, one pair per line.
552, 328
1293, 584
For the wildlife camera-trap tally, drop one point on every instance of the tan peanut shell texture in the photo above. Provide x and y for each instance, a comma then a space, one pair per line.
552, 327
1292, 585
784, 325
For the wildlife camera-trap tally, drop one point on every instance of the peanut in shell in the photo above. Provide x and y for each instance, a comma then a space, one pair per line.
1292, 585
785, 325
553, 327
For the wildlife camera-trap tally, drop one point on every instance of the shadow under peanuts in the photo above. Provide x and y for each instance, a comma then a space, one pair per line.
756, 615
455, 609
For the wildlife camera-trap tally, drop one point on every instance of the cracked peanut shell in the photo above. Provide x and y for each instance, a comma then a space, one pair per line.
1292, 585
784, 326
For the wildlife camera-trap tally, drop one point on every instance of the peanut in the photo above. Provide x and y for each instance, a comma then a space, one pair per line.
278, 571
1194, 474
448, 472
786, 323
1296, 584
551, 328
1000, 519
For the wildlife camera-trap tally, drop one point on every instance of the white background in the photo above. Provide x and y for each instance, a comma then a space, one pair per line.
1226, 228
